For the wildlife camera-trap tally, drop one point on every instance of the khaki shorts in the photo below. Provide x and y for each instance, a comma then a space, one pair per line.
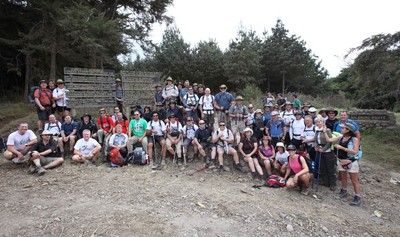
355, 168
46, 160
238, 126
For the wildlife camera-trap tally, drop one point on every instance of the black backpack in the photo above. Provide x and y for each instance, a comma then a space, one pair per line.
138, 156
2, 144
31, 96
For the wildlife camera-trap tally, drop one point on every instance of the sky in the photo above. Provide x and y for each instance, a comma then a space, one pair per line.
329, 28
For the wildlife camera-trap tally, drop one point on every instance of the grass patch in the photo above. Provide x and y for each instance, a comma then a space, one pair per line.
19, 109
380, 146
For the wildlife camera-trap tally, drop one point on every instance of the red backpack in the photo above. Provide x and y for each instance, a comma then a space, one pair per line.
116, 157
274, 181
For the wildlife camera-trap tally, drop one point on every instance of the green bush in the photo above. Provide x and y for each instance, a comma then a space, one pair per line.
252, 94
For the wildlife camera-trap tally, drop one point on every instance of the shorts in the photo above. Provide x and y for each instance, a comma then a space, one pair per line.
46, 160
61, 109
207, 145
158, 139
43, 114
187, 142
237, 126
261, 161
354, 167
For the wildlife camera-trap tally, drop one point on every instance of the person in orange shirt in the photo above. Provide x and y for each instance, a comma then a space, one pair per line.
44, 103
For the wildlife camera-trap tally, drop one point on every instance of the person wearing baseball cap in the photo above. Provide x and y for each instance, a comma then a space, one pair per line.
276, 128
297, 165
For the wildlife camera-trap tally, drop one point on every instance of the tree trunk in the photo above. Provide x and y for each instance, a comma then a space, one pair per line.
53, 54
27, 75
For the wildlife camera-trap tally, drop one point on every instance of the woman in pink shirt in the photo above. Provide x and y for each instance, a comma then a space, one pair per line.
298, 171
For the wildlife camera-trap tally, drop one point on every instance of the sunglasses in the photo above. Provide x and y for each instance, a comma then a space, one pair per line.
222, 125
136, 114
201, 123
250, 107
222, 88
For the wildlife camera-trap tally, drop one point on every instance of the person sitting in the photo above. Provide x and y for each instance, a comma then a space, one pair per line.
86, 149
174, 137
248, 148
19, 143
87, 123
119, 140
189, 131
156, 129
137, 132
281, 159
223, 137
53, 125
147, 114
266, 151
44, 154
162, 114
202, 138
68, 134
114, 117
297, 173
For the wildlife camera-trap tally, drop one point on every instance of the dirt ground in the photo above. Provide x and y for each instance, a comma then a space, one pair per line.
88, 200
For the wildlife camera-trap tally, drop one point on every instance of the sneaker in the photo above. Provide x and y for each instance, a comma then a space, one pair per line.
163, 161
41, 171
32, 169
356, 201
239, 167
342, 193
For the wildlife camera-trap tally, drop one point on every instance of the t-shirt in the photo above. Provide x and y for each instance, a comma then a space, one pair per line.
227, 134
68, 128
18, 141
248, 144
287, 116
86, 147
45, 97
105, 123
158, 125
41, 147
297, 128
190, 131
118, 139
54, 128
138, 127
124, 124
266, 151
59, 92
207, 103
202, 135
174, 129
224, 99
282, 157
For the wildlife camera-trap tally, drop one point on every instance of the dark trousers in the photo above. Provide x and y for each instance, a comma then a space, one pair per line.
328, 168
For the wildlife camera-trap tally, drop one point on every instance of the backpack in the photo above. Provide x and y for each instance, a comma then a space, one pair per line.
58, 124
116, 157
138, 157
335, 134
350, 146
274, 181
31, 96
308, 161
2, 144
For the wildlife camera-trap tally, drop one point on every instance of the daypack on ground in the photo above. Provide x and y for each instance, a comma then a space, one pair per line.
116, 157
138, 156
274, 181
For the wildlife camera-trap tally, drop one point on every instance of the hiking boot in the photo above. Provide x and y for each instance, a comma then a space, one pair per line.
332, 187
196, 158
41, 170
162, 161
221, 169
180, 162
239, 167
356, 201
342, 193
32, 169
254, 175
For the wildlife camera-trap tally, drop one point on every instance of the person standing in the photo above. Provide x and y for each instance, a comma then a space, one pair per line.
206, 105
119, 94
330, 122
44, 104
222, 103
61, 99
170, 91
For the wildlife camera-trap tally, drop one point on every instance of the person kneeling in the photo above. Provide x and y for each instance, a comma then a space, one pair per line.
86, 149
298, 171
44, 154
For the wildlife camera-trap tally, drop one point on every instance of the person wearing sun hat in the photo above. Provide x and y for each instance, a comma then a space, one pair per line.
61, 99
238, 114
330, 122
222, 103
44, 154
259, 124
170, 91
248, 148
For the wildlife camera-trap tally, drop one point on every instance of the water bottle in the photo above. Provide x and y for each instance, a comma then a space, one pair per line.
313, 165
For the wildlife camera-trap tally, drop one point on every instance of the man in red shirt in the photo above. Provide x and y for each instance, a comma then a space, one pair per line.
123, 122
44, 103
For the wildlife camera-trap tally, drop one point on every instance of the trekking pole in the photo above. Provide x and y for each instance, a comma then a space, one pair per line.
154, 150
174, 159
184, 154
319, 169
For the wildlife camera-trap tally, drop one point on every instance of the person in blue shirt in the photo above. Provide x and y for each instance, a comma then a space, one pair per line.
344, 118
276, 128
68, 133
222, 103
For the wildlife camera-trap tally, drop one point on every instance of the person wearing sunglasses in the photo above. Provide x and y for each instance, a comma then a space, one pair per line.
222, 103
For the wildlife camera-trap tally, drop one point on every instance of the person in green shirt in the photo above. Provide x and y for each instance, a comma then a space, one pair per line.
137, 132
296, 102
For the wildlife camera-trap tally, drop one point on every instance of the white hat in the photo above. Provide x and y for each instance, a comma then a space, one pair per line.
280, 144
312, 109
247, 129
274, 113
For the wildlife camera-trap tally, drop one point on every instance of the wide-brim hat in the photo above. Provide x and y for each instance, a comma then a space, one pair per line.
258, 111
86, 114
59, 81
117, 80
46, 132
312, 110
288, 103
169, 79
349, 127
248, 130
102, 109
239, 97
332, 110
280, 144
157, 85
274, 113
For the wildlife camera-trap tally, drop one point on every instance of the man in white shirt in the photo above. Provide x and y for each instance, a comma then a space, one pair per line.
170, 91
156, 130
53, 126
60, 97
189, 131
86, 149
206, 105
20, 142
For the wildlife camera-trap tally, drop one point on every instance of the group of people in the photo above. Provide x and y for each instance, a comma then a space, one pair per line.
280, 138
